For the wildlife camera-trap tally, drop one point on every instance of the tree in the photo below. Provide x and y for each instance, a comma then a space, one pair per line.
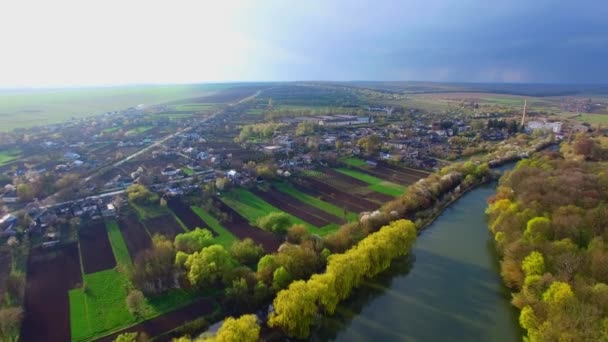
281, 279
242, 329
153, 268
537, 230
25, 192
220, 183
557, 293
246, 252
139, 194
533, 264
297, 233
10, 321
305, 128
276, 222
193, 241
208, 266
266, 267
136, 303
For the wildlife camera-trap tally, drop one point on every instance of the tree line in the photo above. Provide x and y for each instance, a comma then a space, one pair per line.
549, 218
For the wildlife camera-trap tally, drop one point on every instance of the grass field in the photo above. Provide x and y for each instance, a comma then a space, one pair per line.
253, 111
224, 237
352, 161
195, 107
187, 171
7, 156
145, 212
252, 208
26, 108
99, 306
315, 202
138, 130
375, 183
121, 253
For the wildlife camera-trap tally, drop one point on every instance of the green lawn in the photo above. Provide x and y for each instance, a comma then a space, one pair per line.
138, 130
100, 305
315, 202
353, 161
251, 207
121, 253
145, 212
376, 184
7, 156
187, 171
224, 236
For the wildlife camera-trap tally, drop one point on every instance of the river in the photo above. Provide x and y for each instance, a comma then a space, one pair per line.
448, 289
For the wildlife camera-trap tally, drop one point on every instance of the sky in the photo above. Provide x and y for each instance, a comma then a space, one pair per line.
109, 42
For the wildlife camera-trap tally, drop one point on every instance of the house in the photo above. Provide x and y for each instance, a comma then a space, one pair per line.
272, 149
71, 155
9, 197
169, 171
109, 210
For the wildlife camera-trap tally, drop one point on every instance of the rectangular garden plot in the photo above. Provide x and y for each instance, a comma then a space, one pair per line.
164, 225
95, 247
335, 196
241, 228
186, 215
50, 275
297, 208
134, 233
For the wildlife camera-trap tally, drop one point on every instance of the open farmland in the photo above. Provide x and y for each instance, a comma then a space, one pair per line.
349, 184
253, 208
95, 248
223, 236
386, 171
241, 228
297, 208
7, 156
376, 184
164, 225
48, 106
50, 275
186, 215
119, 247
316, 202
167, 322
328, 193
135, 235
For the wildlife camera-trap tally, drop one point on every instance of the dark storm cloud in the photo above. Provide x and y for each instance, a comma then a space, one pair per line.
479, 41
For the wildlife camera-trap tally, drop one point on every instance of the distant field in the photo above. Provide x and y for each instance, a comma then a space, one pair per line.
376, 184
26, 108
7, 156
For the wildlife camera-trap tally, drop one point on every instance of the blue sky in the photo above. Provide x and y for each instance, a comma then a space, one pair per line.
67, 42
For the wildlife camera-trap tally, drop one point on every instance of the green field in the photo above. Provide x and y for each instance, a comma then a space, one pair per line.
376, 184
145, 212
224, 236
7, 156
353, 161
100, 305
26, 108
252, 208
138, 130
254, 111
195, 107
187, 171
121, 253
315, 202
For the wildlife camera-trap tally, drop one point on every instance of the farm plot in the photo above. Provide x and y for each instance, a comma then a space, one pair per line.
169, 321
134, 233
352, 185
394, 173
374, 183
186, 215
328, 193
164, 225
253, 208
4, 272
297, 208
241, 228
95, 248
224, 236
50, 275
121, 251
316, 202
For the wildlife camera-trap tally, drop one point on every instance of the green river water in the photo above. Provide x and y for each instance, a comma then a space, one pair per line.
449, 289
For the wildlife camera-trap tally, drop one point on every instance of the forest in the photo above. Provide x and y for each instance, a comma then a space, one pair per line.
549, 219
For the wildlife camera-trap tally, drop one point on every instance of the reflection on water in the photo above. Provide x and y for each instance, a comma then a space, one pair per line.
449, 289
